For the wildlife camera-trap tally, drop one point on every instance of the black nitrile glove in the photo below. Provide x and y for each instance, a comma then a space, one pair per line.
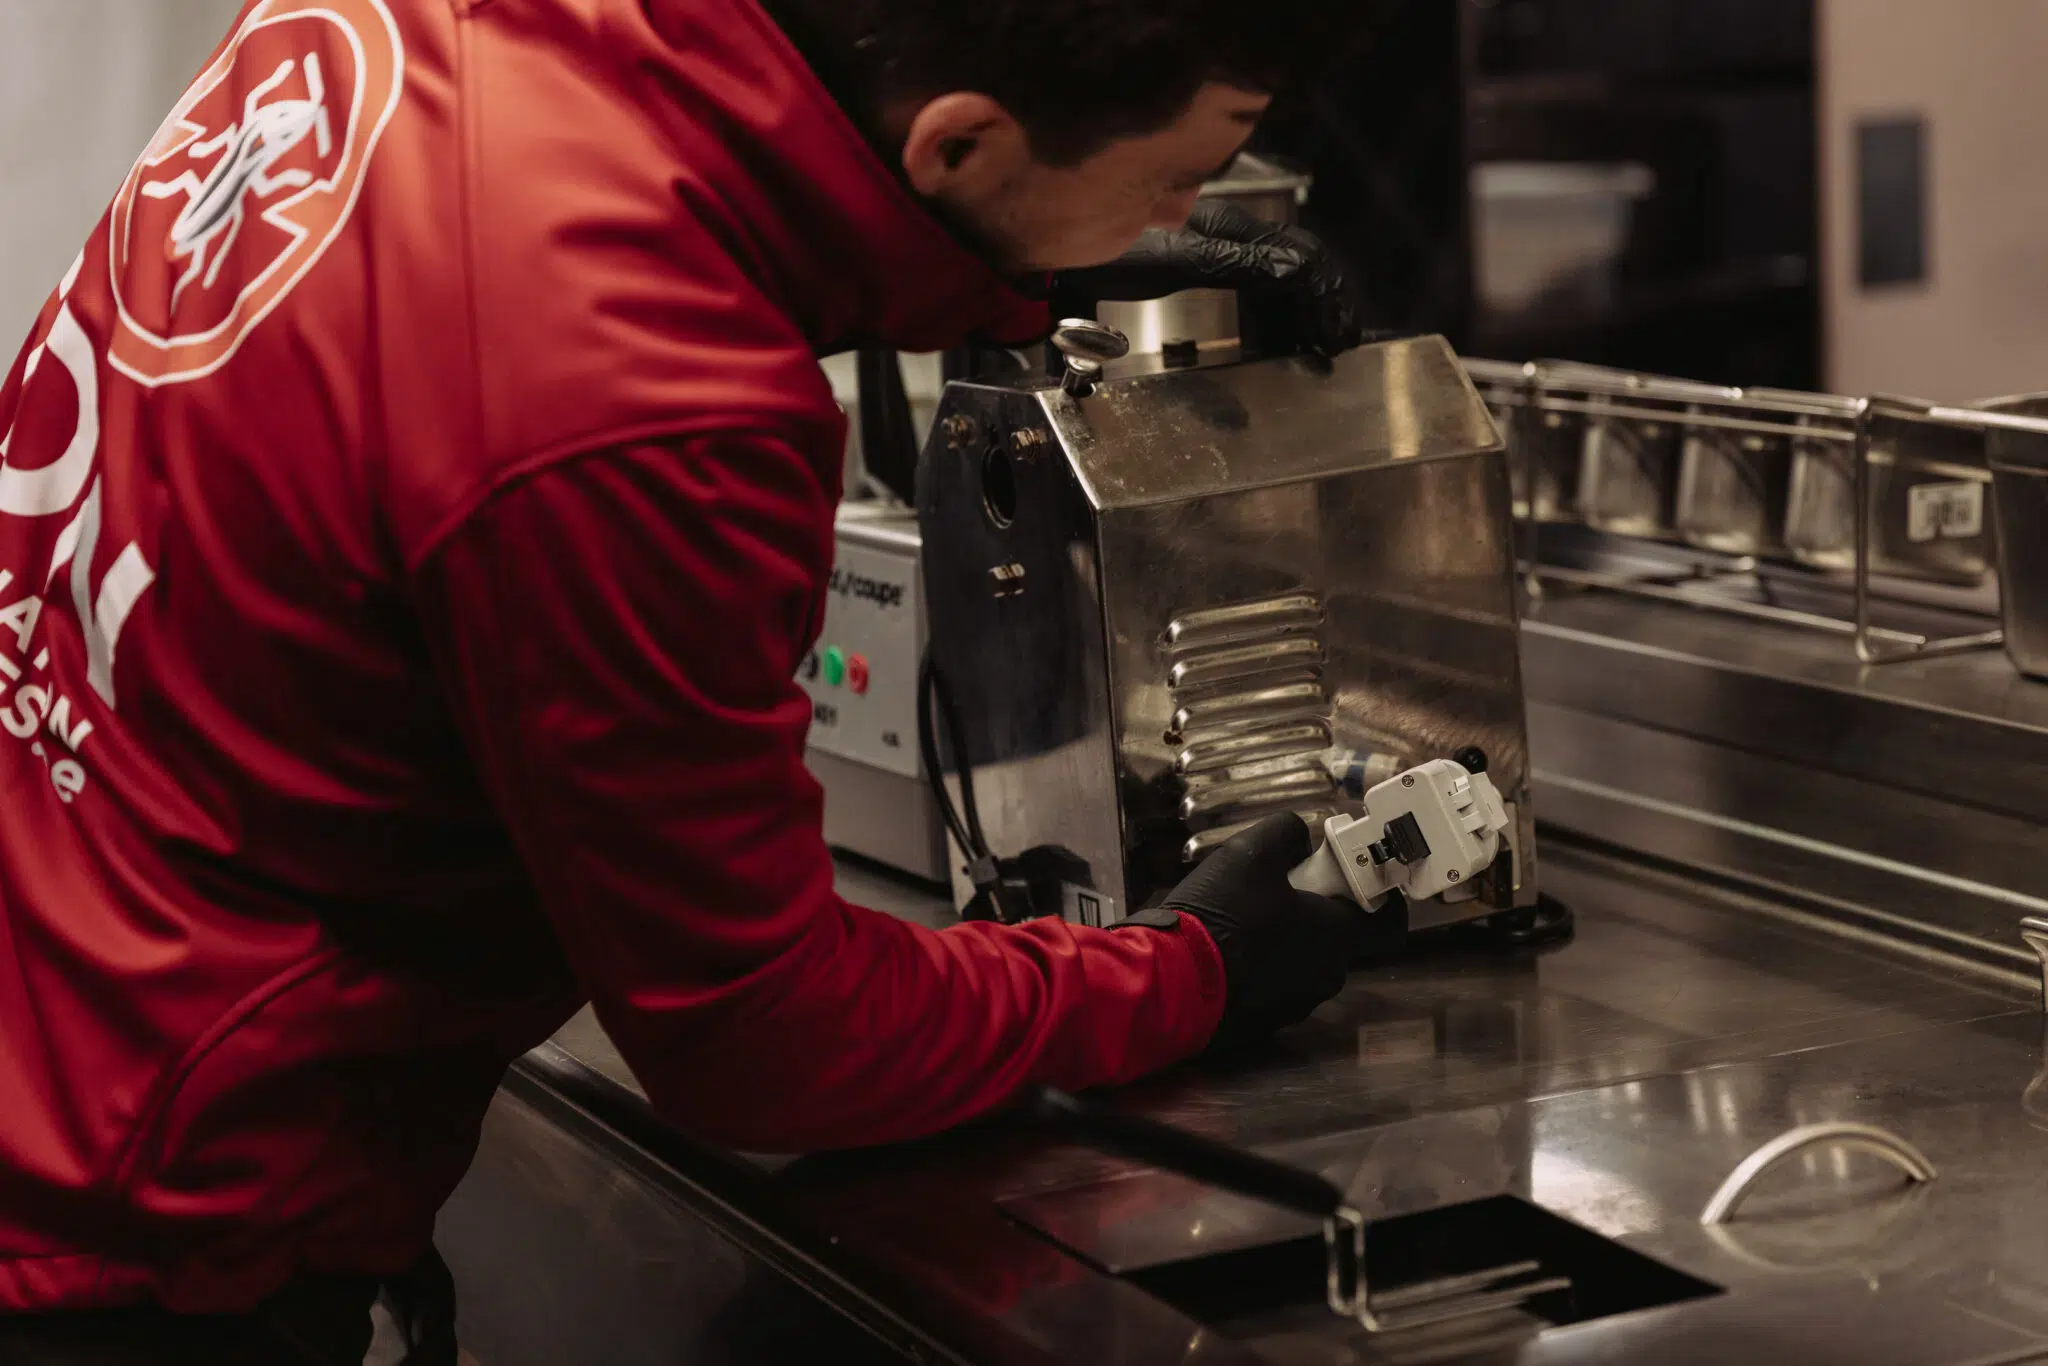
1286, 274
1285, 952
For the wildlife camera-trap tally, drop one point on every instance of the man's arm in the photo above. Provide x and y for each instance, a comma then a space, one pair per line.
619, 637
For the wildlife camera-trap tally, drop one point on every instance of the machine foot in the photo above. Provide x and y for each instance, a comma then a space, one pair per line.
1548, 922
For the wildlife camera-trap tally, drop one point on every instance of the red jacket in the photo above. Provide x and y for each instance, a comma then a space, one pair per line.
416, 504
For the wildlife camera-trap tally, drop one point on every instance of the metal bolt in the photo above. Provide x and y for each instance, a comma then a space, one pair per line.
1407, 780
1451, 874
1363, 860
960, 430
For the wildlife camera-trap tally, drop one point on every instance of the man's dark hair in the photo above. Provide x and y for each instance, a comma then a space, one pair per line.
1077, 74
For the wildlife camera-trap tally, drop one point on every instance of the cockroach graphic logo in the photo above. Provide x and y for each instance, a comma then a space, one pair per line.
248, 182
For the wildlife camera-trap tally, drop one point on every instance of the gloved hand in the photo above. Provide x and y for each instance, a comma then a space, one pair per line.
1286, 273
1284, 952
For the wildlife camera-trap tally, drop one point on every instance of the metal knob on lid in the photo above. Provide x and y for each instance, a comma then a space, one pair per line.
1087, 345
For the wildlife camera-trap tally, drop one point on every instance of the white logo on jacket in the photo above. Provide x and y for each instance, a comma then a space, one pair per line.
215, 208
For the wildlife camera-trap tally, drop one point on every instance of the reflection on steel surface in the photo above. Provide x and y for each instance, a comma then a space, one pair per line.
1866, 1240
1770, 834
1820, 504
1224, 655
1291, 700
1732, 492
1309, 782
1862, 1137
1296, 737
1603, 1201
1199, 846
1627, 483
1244, 621
1202, 668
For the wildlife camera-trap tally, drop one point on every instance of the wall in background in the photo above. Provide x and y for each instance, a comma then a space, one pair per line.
1977, 325
83, 85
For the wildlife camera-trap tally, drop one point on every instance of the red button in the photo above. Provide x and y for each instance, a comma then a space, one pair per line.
857, 673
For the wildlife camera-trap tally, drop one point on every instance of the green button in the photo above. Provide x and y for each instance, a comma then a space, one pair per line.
835, 666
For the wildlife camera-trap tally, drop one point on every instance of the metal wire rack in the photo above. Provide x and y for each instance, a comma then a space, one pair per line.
1880, 487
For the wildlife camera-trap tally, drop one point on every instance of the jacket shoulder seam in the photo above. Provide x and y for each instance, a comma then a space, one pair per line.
570, 449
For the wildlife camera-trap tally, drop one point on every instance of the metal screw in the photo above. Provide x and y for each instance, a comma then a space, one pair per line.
1081, 377
1363, 860
1451, 874
1407, 780
1086, 344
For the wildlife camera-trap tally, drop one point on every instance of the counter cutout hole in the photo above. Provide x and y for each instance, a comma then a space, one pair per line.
1277, 1285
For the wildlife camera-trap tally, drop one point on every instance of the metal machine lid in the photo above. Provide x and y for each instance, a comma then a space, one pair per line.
1162, 438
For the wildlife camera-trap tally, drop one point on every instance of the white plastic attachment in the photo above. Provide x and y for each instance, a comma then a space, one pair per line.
1429, 832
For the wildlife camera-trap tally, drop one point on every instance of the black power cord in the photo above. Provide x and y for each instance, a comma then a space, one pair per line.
888, 440
1002, 890
935, 703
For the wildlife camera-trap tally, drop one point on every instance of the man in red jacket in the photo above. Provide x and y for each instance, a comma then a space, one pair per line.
416, 501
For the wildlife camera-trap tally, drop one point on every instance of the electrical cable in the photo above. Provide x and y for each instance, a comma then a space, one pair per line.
1004, 889
949, 717
888, 440
929, 684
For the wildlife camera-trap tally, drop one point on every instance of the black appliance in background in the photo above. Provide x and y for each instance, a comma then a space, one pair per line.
1714, 98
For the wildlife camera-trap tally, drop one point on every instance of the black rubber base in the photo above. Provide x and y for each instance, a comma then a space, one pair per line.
1548, 922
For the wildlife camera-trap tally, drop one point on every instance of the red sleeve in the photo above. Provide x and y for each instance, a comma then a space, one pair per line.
620, 637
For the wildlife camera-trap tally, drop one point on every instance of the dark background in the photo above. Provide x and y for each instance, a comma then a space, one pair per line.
1715, 97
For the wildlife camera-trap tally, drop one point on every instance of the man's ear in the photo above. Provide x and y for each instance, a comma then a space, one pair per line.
963, 145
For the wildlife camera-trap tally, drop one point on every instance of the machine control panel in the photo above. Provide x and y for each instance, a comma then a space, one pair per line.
862, 674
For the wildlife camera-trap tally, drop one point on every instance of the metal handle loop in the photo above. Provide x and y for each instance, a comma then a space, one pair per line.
1863, 1137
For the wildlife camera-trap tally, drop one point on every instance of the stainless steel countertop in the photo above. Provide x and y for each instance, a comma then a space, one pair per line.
1613, 1081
